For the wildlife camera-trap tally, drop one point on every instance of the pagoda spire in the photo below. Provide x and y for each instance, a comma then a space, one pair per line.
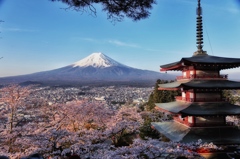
199, 31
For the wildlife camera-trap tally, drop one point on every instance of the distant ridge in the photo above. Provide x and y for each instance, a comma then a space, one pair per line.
95, 69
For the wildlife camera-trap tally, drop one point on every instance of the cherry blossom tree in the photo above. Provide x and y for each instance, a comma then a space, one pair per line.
87, 129
75, 124
13, 100
125, 123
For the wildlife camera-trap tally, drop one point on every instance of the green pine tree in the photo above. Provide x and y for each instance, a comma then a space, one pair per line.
160, 96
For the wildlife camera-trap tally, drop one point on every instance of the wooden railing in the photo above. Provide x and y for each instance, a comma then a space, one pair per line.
203, 77
200, 99
203, 124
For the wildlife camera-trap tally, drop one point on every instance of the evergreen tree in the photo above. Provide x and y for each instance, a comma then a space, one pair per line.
116, 10
160, 96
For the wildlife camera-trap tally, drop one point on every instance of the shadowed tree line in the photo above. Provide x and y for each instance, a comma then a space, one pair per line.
151, 115
161, 96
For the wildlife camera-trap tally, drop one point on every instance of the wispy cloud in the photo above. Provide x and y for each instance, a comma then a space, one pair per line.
120, 43
87, 39
230, 7
113, 42
233, 10
166, 51
19, 30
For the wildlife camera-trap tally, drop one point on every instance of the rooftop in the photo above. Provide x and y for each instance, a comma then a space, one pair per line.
204, 60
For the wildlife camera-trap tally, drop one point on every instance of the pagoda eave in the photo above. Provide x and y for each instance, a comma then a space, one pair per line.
178, 67
214, 66
168, 89
200, 61
201, 84
199, 108
212, 60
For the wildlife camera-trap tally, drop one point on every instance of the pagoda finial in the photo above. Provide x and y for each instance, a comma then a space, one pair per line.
199, 31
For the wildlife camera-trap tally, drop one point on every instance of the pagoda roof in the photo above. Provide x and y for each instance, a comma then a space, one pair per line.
180, 133
200, 108
196, 83
173, 107
219, 62
171, 130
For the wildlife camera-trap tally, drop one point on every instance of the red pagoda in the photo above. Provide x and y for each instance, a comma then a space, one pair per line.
201, 110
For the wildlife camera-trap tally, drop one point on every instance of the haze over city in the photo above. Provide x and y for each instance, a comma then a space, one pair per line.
42, 35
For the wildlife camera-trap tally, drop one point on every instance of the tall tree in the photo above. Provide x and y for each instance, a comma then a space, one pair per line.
116, 9
160, 96
14, 99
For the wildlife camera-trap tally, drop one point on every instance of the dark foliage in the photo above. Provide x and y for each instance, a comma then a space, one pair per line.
147, 131
229, 96
116, 9
160, 96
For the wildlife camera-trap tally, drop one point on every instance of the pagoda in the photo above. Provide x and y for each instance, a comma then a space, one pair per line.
201, 111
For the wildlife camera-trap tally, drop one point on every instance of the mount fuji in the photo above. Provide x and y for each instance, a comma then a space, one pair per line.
95, 69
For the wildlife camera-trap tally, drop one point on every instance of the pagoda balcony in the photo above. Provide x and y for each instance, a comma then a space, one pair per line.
180, 98
210, 124
224, 77
185, 122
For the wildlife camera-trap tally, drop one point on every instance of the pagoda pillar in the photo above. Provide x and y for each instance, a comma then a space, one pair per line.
194, 121
195, 72
194, 95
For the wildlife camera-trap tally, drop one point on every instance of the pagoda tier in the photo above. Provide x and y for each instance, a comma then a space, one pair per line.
203, 62
200, 85
199, 108
200, 114
178, 132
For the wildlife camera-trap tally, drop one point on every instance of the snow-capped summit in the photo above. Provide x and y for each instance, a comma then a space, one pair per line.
98, 60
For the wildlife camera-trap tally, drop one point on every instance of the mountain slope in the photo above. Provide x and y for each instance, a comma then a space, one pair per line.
96, 68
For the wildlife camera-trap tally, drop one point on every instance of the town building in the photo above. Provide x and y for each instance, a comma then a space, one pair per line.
201, 111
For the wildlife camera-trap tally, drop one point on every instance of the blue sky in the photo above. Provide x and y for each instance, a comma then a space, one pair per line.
38, 35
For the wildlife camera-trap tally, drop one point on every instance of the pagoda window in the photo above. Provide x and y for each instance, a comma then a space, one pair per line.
190, 119
192, 73
191, 97
181, 118
184, 96
184, 74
